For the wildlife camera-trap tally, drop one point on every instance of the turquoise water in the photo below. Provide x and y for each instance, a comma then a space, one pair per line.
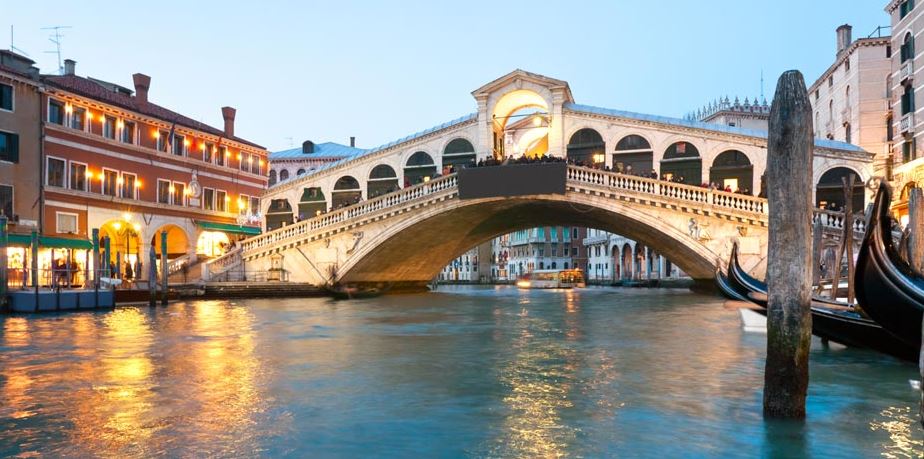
465, 372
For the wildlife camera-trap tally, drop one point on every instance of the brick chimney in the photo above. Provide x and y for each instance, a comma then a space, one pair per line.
70, 66
142, 84
844, 38
228, 114
352, 141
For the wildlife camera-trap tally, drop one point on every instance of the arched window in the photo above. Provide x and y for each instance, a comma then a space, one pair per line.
459, 153
311, 203
279, 214
907, 49
382, 179
633, 155
554, 265
587, 148
732, 169
346, 192
272, 177
830, 189
301, 171
283, 175
682, 164
419, 168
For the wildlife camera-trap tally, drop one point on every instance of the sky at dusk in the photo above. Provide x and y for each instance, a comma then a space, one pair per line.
299, 70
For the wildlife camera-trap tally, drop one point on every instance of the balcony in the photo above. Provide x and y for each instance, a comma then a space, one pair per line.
906, 125
906, 71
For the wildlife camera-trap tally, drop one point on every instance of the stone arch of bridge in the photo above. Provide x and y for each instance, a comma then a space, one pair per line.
414, 249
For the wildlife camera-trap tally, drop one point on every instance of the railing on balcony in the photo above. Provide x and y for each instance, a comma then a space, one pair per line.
906, 71
906, 125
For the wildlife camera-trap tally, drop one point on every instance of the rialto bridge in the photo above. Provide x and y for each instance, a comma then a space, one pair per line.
395, 213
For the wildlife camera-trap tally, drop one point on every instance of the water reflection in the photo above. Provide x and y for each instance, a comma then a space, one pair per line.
483, 373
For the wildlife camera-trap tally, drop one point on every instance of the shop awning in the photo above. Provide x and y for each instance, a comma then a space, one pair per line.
229, 228
50, 242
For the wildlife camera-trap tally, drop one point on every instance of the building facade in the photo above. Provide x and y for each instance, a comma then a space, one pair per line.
905, 88
748, 115
612, 258
117, 162
20, 140
850, 103
296, 162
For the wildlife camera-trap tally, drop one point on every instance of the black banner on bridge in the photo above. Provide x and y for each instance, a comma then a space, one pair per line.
512, 180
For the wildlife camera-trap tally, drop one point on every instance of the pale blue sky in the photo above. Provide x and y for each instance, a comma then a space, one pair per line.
382, 70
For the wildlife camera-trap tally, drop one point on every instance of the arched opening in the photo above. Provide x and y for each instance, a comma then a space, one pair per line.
732, 171
587, 148
301, 171
633, 156
682, 164
520, 125
907, 48
283, 175
124, 243
382, 180
643, 266
279, 214
272, 177
615, 255
419, 168
177, 241
346, 192
829, 193
312, 203
212, 243
554, 265
458, 153
627, 271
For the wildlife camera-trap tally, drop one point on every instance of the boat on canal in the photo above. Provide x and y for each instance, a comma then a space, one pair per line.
837, 322
552, 278
888, 289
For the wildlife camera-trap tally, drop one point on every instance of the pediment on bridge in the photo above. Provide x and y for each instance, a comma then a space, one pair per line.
518, 77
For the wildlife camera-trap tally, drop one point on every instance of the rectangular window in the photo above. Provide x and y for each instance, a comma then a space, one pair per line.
254, 205
55, 112
831, 81
179, 193
78, 118
6, 97
9, 147
66, 223
55, 172
222, 156
129, 186
109, 127
208, 153
908, 101
208, 199
908, 150
163, 191
905, 8
179, 145
162, 139
242, 202
254, 165
221, 201
78, 180
244, 159
128, 132
6, 200
110, 182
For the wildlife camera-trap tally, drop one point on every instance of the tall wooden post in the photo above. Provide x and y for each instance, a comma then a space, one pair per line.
152, 276
4, 243
789, 322
916, 256
817, 250
848, 234
163, 266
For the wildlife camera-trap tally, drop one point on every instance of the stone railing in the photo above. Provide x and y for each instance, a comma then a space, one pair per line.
331, 219
832, 220
674, 191
222, 264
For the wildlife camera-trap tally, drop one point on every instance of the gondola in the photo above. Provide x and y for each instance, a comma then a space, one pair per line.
727, 289
755, 285
833, 322
887, 288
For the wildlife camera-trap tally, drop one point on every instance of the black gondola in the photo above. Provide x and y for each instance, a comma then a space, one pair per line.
755, 285
727, 289
887, 288
839, 325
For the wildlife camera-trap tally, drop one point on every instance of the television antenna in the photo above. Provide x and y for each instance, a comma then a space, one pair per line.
13, 46
55, 38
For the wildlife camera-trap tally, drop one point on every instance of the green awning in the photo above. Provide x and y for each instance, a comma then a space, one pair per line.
50, 242
229, 228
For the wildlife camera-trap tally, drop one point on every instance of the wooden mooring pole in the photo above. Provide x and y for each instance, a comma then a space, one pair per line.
916, 257
789, 273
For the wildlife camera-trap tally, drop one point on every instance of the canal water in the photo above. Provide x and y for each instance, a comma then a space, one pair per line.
465, 372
